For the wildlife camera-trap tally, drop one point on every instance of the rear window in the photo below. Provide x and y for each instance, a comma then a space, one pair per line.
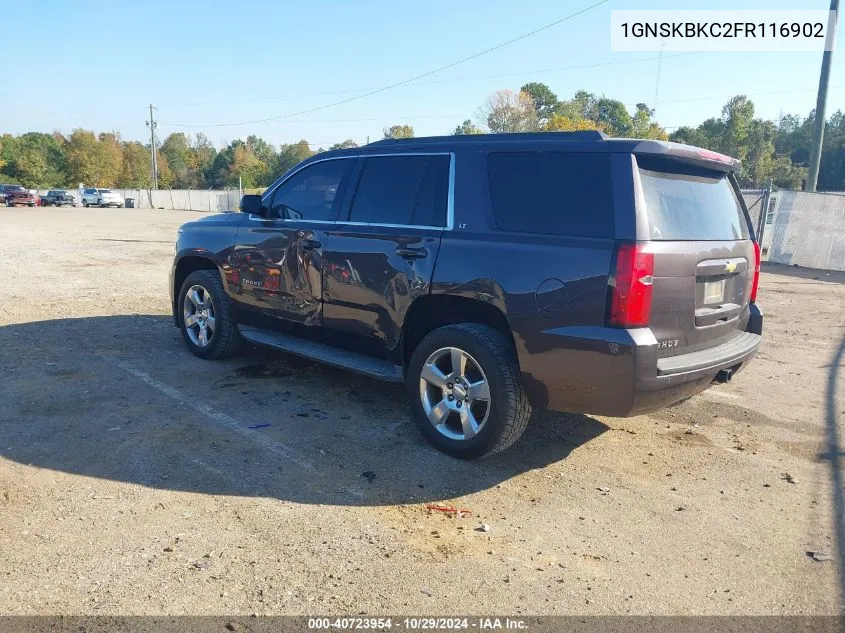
559, 193
692, 206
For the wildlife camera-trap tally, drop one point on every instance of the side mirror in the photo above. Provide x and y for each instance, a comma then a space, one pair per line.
251, 203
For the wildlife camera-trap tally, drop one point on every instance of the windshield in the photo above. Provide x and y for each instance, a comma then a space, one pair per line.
15, 188
692, 207
104, 190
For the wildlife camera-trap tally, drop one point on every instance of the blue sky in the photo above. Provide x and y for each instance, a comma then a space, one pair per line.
209, 63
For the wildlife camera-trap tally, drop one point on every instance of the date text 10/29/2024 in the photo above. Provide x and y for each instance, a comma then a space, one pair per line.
418, 624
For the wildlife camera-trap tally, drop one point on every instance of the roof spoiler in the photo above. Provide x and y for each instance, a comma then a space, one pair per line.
688, 154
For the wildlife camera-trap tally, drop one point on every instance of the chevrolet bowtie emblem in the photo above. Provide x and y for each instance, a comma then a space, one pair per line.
730, 267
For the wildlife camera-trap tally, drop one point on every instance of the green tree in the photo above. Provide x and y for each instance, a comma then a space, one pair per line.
787, 175
109, 158
246, 168
614, 117
83, 164
642, 125
34, 159
266, 154
545, 101
562, 123
291, 155
466, 128
753, 141
203, 156
795, 137
135, 171
347, 144
691, 136
399, 131
177, 151
507, 111
583, 105
166, 177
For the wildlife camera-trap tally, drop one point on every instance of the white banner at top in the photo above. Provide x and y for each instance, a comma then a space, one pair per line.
722, 30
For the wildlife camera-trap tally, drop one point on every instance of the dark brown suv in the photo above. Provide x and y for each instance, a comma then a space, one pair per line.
491, 274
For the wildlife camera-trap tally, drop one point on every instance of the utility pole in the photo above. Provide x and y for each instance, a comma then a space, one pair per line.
821, 101
153, 162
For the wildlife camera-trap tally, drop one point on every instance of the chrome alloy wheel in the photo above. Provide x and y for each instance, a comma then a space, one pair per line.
198, 315
455, 393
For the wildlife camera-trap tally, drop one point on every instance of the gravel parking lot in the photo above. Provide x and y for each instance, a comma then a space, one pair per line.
131, 481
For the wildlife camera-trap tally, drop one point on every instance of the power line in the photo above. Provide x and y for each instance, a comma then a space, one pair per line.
398, 117
420, 76
456, 116
517, 73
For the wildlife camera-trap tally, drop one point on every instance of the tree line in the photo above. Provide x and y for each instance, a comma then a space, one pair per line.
769, 150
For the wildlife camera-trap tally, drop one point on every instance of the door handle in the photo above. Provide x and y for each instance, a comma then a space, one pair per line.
310, 245
412, 253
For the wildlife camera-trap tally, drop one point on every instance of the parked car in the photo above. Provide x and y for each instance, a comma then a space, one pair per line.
3, 191
92, 197
58, 198
492, 274
15, 195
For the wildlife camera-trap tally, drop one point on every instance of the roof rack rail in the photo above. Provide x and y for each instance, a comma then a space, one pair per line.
580, 135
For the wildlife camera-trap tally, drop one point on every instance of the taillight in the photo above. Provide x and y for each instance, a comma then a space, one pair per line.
630, 304
752, 296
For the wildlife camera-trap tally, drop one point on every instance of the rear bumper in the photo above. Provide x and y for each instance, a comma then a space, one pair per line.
605, 371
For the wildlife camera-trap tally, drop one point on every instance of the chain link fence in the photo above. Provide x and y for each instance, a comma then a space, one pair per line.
756, 200
808, 229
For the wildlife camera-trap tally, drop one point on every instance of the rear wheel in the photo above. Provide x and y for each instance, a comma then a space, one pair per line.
465, 391
206, 316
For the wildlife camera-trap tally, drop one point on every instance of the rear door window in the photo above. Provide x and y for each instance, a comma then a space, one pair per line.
694, 205
402, 190
558, 193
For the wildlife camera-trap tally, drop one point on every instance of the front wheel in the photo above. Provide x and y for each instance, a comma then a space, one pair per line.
206, 316
85, 203
465, 391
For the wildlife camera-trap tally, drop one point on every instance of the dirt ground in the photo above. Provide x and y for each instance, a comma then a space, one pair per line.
131, 481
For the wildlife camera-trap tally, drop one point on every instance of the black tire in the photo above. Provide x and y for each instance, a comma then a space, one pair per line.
509, 409
226, 339
85, 203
